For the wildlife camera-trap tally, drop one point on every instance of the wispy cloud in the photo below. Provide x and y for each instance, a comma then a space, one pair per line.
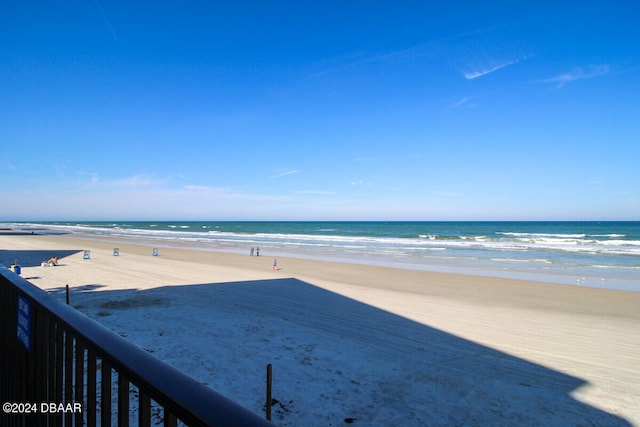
287, 173
435, 49
463, 102
135, 181
197, 188
106, 20
360, 182
432, 50
488, 70
89, 179
578, 74
361, 58
460, 102
138, 181
386, 158
487, 57
443, 193
315, 192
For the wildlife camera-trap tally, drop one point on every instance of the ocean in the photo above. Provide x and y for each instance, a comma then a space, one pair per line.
596, 254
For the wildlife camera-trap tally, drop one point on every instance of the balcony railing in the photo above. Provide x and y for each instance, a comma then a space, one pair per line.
60, 368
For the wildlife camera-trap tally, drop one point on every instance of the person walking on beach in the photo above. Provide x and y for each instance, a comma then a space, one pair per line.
274, 264
251, 251
258, 251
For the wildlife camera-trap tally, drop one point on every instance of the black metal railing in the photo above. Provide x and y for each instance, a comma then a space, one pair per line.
60, 368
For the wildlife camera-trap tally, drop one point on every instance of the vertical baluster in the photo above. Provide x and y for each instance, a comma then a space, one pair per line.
144, 409
123, 400
51, 364
79, 395
68, 375
41, 349
90, 409
169, 419
56, 419
105, 398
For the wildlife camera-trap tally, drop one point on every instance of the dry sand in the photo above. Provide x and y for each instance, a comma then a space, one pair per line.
576, 347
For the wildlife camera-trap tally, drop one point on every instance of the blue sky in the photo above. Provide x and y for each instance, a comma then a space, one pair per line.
335, 110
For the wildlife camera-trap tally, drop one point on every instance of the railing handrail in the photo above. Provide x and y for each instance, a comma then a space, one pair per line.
187, 398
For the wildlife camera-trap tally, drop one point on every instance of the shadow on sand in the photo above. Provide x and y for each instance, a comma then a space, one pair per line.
32, 258
339, 360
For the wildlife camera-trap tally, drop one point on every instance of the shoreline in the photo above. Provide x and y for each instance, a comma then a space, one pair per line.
572, 279
365, 274
587, 333
592, 254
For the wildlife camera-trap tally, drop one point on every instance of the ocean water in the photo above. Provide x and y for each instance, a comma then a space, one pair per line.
594, 254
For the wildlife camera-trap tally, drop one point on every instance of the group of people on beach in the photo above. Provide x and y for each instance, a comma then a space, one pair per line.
274, 263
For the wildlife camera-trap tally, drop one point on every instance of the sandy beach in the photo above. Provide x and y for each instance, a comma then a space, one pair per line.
382, 346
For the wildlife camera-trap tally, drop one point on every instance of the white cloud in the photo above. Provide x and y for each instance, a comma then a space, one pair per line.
196, 188
484, 71
287, 173
315, 192
135, 181
460, 102
106, 21
578, 74
463, 102
93, 180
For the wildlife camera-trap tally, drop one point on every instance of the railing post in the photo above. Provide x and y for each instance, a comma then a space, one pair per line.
269, 381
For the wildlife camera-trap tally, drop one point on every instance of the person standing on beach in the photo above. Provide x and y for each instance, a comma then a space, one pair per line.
258, 251
274, 264
251, 251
